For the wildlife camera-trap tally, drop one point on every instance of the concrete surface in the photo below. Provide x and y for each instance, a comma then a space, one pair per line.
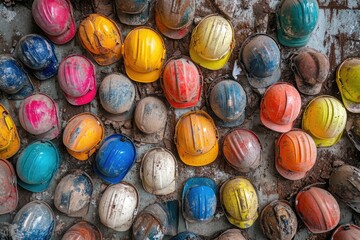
337, 35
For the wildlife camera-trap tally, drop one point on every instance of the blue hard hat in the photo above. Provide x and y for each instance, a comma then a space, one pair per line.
228, 101
296, 20
199, 199
37, 165
260, 59
115, 158
186, 236
37, 53
35, 220
13, 78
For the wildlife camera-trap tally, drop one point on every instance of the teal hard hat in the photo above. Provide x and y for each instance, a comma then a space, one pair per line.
296, 20
37, 165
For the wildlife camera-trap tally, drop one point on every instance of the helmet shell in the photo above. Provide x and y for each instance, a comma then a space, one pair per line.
9, 137
186, 236
82, 230
133, 12
8, 187
231, 234
346, 232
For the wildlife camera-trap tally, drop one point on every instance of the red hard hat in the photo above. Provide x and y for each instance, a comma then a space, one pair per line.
346, 232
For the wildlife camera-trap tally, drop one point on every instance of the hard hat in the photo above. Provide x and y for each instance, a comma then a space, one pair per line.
324, 119
8, 187
212, 42
115, 158
295, 154
144, 54
150, 115
348, 81
118, 206
35, 220
73, 194
37, 53
260, 59
37, 165
55, 18
280, 107
231, 234
117, 96
311, 69
13, 79
228, 101
296, 20
239, 200
101, 37
82, 135
77, 79
346, 232
133, 12
39, 115
82, 230
174, 18
199, 199
278, 221
318, 209
186, 236
158, 171
353, 131
9, 137
151, 223
196, 138
344, 183
242, 150
182, 82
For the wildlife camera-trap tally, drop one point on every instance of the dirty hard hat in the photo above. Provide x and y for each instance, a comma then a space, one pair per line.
101, 37
278, 221
344, 183
182, 82
116, 156
35, 220
228, 101
324, 119
348, 82
38, 54
133, 12
150, 115
196, 138
37, 165
9, 137
13, 79
260, 59
296, 20
241, 210
82, 230
280, 107
318, 209
242, 150
199, 199
83, 135
346, 232
353, 132
55, 18
158, 171
212, 42
77, 79
73, 194
8, 188
231, 234
118, 206
139, 44
39, 115
311, 69
174, 18
186, 236
295, 154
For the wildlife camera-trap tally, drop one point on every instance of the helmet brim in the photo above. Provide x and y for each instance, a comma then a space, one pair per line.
164, 191
66, 36
275, 127
110, 180
351, 106
88, 97
307, 89
34, 187
143, 77
120, 117
49, 71
234, 123
289, 174
257, 82
172, 33
290, 41
199, 160
134, 19
212, 65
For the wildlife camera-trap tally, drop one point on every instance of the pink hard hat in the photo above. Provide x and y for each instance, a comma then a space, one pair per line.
77, 79
8, 187
55, 18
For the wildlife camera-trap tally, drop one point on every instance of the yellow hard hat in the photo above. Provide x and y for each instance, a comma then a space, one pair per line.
196, 138
144, 54
9, 138
83, 134
239, 200
101, 37
324, 119
212, 42
348, 81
